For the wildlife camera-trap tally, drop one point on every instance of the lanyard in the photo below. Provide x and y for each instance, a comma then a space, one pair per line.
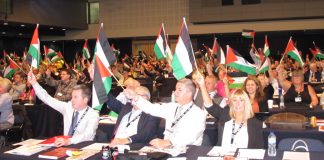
79, 120
178, 119
234, 133
129, 122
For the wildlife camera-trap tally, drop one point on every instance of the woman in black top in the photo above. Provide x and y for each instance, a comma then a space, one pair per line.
296, 90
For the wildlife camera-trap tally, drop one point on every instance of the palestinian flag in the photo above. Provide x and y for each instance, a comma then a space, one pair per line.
317, 52
183, 61
168, 51
236, 79
218, 51
248, 33
235, 60
102, 81
10, 69
55, 59
266, 49
264, 67
85, 50
33, 56
160, 44
49, 52
292, 51
59, 54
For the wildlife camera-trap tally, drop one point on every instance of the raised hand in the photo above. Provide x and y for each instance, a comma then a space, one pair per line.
31, 77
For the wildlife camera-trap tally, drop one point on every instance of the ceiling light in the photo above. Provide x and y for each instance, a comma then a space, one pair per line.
22, 25
75, 40
53, 41
63, 29
3, 32
5, 23
20, 34
51, 28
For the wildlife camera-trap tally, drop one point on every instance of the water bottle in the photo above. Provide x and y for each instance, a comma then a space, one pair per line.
272, 152
282, 102
172, 97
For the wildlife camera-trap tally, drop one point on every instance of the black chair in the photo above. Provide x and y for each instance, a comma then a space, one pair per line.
301, 144
14, 133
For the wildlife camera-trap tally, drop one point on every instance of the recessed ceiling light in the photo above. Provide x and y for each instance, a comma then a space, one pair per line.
51, 28
63, 29
5, 23
53, 41
20, 34
22, 25
75, 40
3, 32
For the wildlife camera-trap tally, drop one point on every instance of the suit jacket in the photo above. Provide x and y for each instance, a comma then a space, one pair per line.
318, 76
200, 102
254, 127
221, 114
147, 125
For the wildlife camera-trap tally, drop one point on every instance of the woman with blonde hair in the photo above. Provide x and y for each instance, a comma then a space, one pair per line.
240, 129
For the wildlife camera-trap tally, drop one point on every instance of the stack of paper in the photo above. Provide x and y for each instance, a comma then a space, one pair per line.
27, 150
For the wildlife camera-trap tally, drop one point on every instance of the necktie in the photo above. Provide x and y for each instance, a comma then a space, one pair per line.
74, 123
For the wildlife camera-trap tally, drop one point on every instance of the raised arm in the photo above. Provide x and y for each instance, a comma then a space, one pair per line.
44, 96
282, 75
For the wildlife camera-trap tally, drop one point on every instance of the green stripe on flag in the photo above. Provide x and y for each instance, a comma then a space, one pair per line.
178, 70
243, 68
320, 55
296, 57
158, 52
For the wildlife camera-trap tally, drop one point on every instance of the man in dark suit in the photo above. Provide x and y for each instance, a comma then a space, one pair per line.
133, 125
312, 75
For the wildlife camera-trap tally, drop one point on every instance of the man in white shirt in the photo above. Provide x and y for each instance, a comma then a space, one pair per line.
185, 122
80, 120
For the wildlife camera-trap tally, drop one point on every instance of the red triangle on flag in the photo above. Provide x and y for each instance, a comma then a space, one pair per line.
103, 71
290, 46
230, 56
35, 36
13, 64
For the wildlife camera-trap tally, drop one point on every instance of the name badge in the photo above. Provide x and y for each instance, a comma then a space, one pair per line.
60, 94
298, 99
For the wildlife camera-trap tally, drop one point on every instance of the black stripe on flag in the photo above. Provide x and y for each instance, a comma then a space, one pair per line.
106, 48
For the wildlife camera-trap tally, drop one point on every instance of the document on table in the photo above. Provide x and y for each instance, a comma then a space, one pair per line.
210, 158
251, 153
95, 146
175, 151
29, 142
290, 155
27, 150
177, 158
221, 151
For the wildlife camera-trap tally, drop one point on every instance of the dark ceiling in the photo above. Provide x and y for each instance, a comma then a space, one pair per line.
23, 30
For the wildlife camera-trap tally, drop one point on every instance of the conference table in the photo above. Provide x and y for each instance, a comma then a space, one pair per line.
192, 153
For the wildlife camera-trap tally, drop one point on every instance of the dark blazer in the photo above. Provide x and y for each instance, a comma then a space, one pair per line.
254, 127
318, 76
147, 125
221, 114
